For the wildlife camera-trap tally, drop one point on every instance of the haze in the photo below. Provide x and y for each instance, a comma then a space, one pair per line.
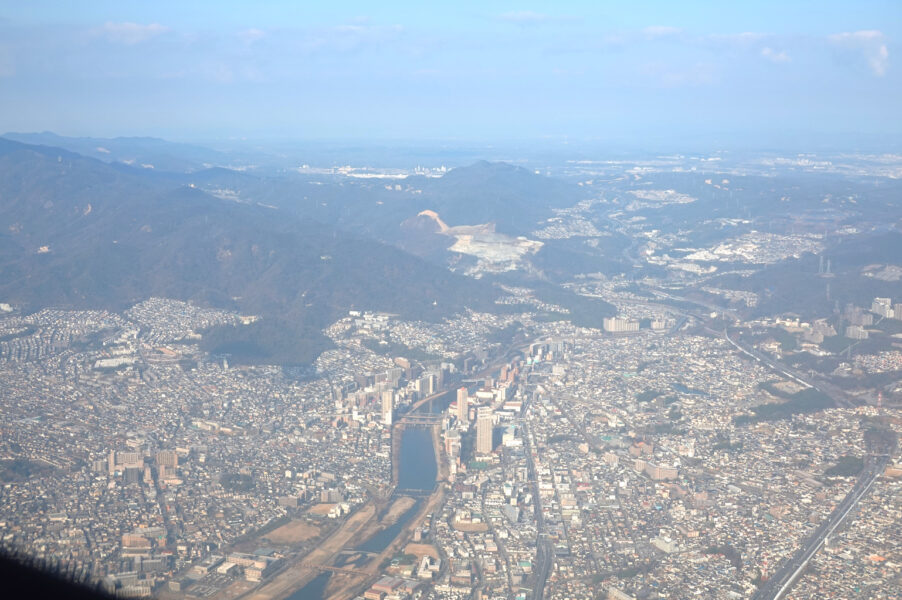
406, 301
655, 74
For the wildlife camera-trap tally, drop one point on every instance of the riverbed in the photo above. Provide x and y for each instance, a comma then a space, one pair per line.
417, 475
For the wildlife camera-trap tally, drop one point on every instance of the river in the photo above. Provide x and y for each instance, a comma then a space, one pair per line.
417, 475
418, 469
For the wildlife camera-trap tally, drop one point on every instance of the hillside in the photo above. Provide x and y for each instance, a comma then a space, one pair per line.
81, 233
160, 155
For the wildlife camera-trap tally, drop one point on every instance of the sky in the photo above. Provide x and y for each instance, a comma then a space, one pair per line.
471, 71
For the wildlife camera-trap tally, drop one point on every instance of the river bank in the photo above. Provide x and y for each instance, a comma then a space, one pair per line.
421, 470
364, 545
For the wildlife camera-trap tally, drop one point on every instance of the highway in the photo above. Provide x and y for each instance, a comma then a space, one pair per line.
764, 360
835, 394
782, 581
786, 576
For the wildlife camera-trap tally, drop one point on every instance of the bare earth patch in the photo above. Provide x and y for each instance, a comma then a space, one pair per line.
293, 532
419, 550
397, 509
470, 527
320, 509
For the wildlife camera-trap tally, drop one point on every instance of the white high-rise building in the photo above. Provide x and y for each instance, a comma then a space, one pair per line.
388, 399
619, 325
463, 405
882, 307
484, 422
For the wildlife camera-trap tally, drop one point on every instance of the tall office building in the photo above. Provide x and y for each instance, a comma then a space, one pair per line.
484, 430
387, 405
463, 406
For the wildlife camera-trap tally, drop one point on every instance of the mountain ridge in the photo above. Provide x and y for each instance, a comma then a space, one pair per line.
81, 233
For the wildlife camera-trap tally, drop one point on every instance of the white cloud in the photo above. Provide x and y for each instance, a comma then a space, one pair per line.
774, 56
866, 35
130, 33
870, 44
659, 31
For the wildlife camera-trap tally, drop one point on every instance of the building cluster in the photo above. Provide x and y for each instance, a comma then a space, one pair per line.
602, 465
862, 560
571, 222
132, 471
639, 470
860, 321
758, 247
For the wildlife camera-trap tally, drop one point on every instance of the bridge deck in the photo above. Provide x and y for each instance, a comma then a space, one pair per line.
306, 565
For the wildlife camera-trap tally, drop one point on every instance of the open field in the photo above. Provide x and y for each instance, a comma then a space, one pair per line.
320, 509
419, 550
470, 527
293, 578
292, 533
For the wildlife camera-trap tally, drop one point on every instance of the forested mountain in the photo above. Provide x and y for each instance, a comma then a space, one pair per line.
77, 232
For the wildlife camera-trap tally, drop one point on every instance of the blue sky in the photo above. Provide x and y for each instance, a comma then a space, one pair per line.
580, 71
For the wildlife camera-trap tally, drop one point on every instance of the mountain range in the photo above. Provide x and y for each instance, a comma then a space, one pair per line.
77, 232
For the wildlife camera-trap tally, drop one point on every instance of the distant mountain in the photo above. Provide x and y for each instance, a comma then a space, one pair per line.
140, 152
513, 198
80, 233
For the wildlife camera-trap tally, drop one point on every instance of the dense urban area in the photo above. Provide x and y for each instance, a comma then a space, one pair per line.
686, 443
619, 467
451, 300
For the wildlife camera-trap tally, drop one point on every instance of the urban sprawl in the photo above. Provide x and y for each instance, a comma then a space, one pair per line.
572, 463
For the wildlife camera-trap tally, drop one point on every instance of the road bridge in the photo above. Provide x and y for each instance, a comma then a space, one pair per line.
342, 570
417, 419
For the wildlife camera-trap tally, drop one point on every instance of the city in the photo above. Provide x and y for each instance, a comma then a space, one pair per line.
570, 462
451, 301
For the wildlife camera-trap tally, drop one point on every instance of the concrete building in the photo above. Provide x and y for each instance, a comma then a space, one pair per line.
120, 461
882, 307
619, 325
387, 406
856, 332
484, 421
167, 458
463, 406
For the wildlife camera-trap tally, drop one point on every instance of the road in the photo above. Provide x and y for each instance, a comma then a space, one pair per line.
544, 551
835, 394
782, 581
785, 577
